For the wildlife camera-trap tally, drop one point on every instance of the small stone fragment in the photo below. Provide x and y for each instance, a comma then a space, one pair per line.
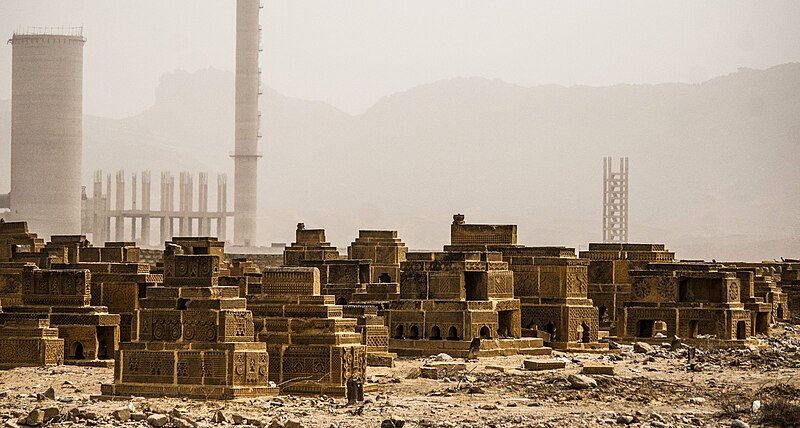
393, 423
219, 417
643, 348
157, 420
122, 415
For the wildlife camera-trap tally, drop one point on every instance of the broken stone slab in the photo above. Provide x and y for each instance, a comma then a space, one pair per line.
40, 416
598, 369
381, 359
539, 365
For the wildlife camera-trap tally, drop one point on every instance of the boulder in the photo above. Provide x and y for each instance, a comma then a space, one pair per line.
577, 381
157, 420
643, 348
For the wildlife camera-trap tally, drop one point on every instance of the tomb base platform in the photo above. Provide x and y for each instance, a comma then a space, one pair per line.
109, 364
125, 391
461, 348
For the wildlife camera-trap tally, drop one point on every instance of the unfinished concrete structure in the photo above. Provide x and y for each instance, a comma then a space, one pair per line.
46, 129
195, 338
113, 214
313, 348
615, 201
248, 119
609, 282
550, 282
700, 305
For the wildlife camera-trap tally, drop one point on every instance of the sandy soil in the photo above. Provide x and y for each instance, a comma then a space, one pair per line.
657, 389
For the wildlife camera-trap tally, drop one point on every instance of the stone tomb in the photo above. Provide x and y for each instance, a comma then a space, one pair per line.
790, 285
384, 250
15, 238
766, 286
309, 245
609, 283
313, 348
550, 282
118, 287
453, 302
30, 342
195, 337
356, 283
18, 245
63, 298
700, 307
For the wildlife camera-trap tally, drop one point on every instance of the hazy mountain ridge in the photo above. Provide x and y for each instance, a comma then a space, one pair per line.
710, 159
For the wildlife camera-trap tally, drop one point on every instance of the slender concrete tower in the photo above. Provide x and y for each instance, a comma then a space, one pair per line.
248, 88
46, 129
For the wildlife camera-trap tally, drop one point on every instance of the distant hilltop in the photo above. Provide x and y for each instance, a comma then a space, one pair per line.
712, 170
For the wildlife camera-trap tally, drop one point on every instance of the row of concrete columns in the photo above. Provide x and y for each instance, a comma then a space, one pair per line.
190, 222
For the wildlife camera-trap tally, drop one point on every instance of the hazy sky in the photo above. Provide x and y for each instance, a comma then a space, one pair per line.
350, 53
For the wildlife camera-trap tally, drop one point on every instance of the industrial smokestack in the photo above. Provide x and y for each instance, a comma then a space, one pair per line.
248, 87
46, 129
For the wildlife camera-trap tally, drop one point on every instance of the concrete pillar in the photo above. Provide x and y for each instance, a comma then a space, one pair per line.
248, 77
204, 226
222, 206
119, 226
145, 242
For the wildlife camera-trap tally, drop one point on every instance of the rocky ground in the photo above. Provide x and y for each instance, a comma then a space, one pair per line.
650, 387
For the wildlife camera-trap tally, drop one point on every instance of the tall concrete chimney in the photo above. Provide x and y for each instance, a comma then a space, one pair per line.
46, 129
248, 88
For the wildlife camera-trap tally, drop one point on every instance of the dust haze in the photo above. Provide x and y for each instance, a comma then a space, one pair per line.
396, 115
